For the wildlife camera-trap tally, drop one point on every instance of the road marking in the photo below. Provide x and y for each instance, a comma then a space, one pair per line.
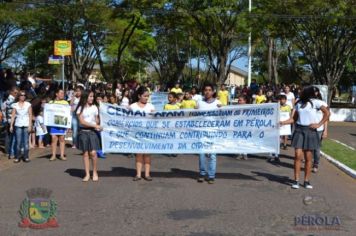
343, 144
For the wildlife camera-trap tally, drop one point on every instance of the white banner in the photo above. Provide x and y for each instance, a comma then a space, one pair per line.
57, 115
231, 129
159, 99
285, 129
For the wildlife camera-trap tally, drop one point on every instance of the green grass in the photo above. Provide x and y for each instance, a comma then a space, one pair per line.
339, 152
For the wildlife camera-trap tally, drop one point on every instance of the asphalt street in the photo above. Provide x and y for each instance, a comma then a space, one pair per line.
249, 197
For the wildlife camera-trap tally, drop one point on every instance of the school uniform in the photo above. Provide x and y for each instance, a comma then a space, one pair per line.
188, 104
304, 137
88, 139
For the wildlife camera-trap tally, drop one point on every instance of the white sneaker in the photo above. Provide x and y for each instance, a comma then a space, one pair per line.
307, 185
295, 185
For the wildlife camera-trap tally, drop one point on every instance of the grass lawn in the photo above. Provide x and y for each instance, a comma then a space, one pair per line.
340, 153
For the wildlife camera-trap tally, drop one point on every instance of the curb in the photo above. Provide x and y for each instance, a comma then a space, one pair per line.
339, 165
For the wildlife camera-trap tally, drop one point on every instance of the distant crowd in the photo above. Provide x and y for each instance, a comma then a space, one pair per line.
22, 104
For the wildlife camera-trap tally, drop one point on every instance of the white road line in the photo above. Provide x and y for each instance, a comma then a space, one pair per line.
343, 144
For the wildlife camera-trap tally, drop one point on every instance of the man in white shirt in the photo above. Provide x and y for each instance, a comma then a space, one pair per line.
208, 167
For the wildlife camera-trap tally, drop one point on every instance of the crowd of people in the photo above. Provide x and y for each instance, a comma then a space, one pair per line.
22, 105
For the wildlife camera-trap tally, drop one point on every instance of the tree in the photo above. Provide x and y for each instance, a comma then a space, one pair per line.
322, 31
221, 27
12, 37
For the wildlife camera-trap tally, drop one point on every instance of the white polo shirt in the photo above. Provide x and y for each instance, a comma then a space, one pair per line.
310, 114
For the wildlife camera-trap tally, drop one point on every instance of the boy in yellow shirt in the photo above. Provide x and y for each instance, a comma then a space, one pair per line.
260, 97
172, 105
172, 102
188, 102
223, 95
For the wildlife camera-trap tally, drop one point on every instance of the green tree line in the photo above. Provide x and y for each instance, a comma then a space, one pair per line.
292, 41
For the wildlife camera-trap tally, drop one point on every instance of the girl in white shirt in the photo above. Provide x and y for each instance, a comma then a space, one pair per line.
21, 124
125, 101
305, 137
142, 105
88, 141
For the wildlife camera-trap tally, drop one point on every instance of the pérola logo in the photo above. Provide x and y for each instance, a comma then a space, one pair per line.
38, 210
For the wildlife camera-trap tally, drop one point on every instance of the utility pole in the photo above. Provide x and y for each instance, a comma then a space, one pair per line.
249, 48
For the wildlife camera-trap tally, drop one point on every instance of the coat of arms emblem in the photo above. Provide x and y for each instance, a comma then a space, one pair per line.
38, 210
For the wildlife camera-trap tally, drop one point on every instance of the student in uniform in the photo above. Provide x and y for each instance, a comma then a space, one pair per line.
41, 129
207, 168
172, 102
284, 107
223, 95
142, 105
260, 97
57, 133
176, 89
242, 100
322, 132
305, 137
188, 101
196, 94
88, 140
125, 101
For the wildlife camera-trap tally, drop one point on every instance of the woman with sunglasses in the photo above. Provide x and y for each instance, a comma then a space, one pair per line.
21, 123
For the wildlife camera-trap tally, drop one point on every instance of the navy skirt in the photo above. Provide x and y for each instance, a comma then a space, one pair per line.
305, 138
88, 140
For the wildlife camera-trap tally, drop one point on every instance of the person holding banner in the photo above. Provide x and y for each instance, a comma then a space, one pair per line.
21, 123
142, 105
57, 133
305, 137
88, 140
208, 167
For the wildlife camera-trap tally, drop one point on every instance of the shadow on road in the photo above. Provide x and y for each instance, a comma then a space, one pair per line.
274, 178
174, 173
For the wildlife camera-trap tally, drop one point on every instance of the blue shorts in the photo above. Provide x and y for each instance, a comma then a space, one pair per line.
57, 131
40, 137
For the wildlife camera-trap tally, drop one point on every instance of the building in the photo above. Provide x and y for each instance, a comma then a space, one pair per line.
236, 76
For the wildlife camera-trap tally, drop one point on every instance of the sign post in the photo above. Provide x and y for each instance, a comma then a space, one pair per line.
63, 48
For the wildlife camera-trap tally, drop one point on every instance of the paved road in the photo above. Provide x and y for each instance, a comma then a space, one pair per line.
251, 197
344, 132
